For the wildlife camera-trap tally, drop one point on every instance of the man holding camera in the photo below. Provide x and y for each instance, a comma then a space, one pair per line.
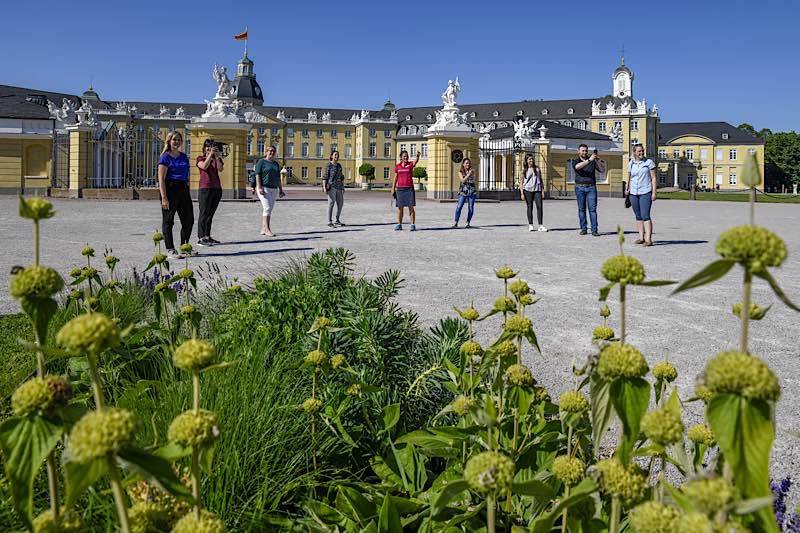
209, 190
586, 186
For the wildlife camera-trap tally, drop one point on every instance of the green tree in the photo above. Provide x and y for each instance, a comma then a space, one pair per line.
744, 126
782, 156
366, 170
420, 173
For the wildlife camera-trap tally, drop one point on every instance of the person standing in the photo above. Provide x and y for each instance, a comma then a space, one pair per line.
210, 190
641, 190
403, 190
586, 167
466, 191
531, 189
173, 184
333, 185
268, 188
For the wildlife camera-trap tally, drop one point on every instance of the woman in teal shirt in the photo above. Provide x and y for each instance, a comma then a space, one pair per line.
268, 188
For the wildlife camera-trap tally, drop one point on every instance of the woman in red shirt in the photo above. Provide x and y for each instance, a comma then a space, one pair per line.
403, 190
209, 192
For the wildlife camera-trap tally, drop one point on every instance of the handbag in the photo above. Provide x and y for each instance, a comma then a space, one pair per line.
627, 201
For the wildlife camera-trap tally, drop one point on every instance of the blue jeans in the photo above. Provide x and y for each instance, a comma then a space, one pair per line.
641, 204
470, 209
587, 195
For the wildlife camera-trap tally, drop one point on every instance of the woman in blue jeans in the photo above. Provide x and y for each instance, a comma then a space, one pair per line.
641, 189
466, 191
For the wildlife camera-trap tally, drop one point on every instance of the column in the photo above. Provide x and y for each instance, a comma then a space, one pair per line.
80, 158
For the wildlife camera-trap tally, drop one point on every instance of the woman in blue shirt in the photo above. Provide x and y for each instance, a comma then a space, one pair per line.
173, 183
641, 189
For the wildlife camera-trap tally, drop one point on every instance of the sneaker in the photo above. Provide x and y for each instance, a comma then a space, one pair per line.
595, 234
454, 225
204, 242
413, 227
340, 223
542, 228
398, 227
331, 225
468, 225
583, 232
530, 227
172, 253
213, 240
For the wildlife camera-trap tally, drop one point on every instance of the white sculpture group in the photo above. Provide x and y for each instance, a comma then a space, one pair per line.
448, 117
224, 104
69, 115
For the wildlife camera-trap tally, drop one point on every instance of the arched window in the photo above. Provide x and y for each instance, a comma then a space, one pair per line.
570, 111
472, 115
545, 111
520, 113
496, 113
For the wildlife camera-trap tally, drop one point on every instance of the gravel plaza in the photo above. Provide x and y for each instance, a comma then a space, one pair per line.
444, 267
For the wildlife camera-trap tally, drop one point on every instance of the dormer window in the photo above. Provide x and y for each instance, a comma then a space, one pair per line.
520, 113
544, 111
429, 117
570, 111
472, 115
495, 113
408, 117
725, 136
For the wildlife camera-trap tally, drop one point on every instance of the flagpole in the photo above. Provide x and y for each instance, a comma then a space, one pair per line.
245, 41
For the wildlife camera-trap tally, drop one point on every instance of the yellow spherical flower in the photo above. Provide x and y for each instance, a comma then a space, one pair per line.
505, 272
33, 395
665, 371
471, 349
573, 401
756, 312
75, 294
462, 405
157, 237
187, 310
489, 472
88, 272
353, 390
186, 273
87, 251
316, 357
321, 323
702, 392
519, 288
89, 334
161, 287
186, 248
603, 333
742, 374
469, 314
605, 311
526, 300
628, 481
149, 517
568, 470
709, 495
99, 433
159, 259
695, 523
753, 247
621, 360
505, 349
111, 260
112, 284
207, 523
36, 208
623, 269
235, 289
36, 282
194, 429
337, 361
68, 522
701, 434
75, 272
194, 355
312, 405
518, 376
654, 517
662, 426
540, 395
505, 304
519, 325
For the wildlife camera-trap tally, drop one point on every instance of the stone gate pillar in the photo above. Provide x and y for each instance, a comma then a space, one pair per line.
80, 158
234, 134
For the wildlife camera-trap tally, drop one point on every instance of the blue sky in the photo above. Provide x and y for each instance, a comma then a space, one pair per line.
733, 61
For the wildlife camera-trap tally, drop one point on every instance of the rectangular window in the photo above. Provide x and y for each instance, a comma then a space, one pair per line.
289, 170
387, 150
402, 149
261, 130
373, 132
304, 149
718, 154
385, 173
690, 154
318, 172
373, 150
387, 133
304, 172
319, 150
334, 147
305, 132
274, 131
260, 145
662, 154
662, 178
689, 178
704, 180
334, 132
424, 151
676, 154
413, 152
289, 149
732, 154
601, 126
634, 141
751, 151
348, 134
289, 132
319, 132
703, 154
634, 125
718, 179
732, 178
618, 124
348, 151
249, 145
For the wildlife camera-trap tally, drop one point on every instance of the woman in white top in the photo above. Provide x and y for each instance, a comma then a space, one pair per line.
641, 189
530, 189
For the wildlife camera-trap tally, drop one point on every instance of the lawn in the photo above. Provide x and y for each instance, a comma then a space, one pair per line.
729, 197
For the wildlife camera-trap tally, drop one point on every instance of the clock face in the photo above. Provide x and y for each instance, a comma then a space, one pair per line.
622, 94
258, 90
457, 156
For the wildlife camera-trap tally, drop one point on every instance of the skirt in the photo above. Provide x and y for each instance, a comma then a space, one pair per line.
405, 197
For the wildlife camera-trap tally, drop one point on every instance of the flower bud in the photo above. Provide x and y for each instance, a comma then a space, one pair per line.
186, 248
662, 426
462, 404
321, 323
76, 272
99, 433
701, 434
505, 349
112, 284
75, 294
654, 517
505, 272
89, 334
312, 406
568, 470
505, 304
87, 251
754, 247
518, 376
111, 261
159, 259
337, 361
161, 287
234, 289
519, 326
489, 472
186, 273
573, 401
623, 269
695, 523
756, 312
469, 314
194, 355
157, 237
353, 390
605, 311
628, 482
207, 523
526, 300
192, 429
36, 208
540, 395
665, 371
145, 517
471, 349
32, 396
519, 288
88, 272
709, 495
68, 522
36, 282
742, 374
187, 310
621, 360
603, 333
316, 357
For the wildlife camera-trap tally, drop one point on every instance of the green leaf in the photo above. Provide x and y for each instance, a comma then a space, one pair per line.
172, 452
754, 504
26, 442
765, 275
535, 488
656, 283
604, 292
631, 397
531, 336
350, 502
391, 416
710, 273
448, 494
385, 472
80, 477
389, 519
154, 469
579, 493
602, 409
206, 459
219, 366
40, 311
424, 439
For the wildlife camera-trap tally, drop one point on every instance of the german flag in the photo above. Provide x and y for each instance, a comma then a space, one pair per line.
241, 36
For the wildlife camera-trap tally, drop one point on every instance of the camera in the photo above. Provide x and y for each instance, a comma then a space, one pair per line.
219, 147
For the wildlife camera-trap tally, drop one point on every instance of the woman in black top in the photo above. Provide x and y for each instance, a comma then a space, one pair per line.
333, 185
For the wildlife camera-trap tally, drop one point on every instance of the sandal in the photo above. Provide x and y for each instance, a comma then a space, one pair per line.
639, 241
648, 243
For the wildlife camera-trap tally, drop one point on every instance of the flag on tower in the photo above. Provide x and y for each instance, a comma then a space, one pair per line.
241, 36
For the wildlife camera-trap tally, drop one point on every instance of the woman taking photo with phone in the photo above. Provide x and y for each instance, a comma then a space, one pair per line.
333, 186
530, 189
466, 191
641, 190
173, 184
209, 192
403, 190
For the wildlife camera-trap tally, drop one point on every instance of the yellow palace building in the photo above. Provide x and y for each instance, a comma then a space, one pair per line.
83, 146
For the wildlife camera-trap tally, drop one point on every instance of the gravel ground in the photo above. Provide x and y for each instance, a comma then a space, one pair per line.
443, 268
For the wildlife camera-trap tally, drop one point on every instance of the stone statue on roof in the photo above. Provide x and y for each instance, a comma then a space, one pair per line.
451, 93
522, 129
225, 88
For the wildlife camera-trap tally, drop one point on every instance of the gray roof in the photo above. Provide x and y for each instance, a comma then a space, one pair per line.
581, 108
336, 114
20, 102
554, 130
667, 131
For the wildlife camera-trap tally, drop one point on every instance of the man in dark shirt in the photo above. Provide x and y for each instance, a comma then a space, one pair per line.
586, 186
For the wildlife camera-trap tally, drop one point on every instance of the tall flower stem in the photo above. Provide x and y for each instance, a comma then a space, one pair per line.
613, 526
490, 514
195, 451
36, 242
564, 515
745, 314
622, 313
119, 495
196, 391
52, 472
96, 387
661, 478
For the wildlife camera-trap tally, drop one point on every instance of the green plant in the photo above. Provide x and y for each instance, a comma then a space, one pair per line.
420, 174
367, 170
